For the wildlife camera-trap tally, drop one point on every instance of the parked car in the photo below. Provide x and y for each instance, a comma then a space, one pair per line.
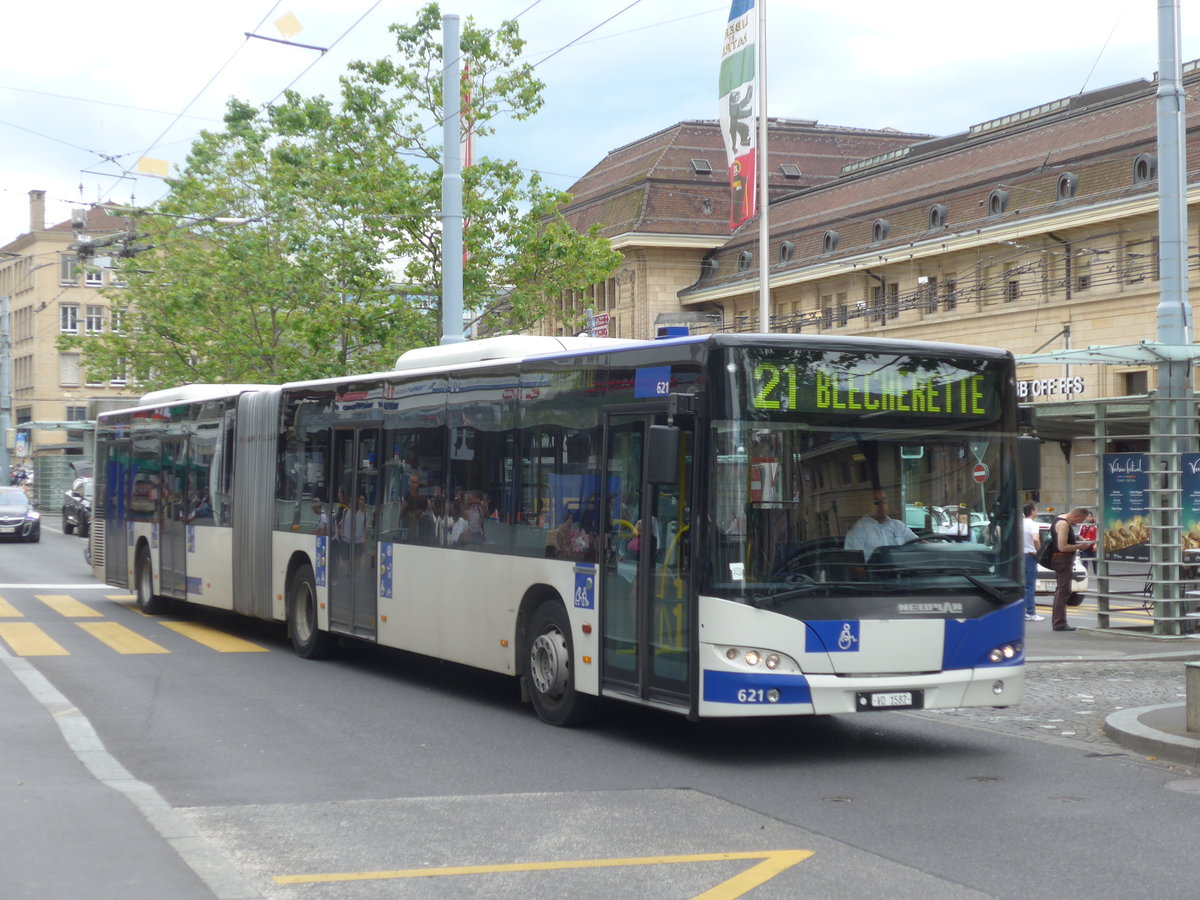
1047, 582
18, 518
77, 507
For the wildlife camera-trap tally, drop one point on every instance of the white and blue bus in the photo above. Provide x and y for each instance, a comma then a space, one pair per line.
674, 523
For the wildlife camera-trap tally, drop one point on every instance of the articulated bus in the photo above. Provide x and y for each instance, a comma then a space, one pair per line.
726, 525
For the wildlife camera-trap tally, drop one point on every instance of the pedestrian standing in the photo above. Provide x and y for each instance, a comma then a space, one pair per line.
1033, 544
1063, 562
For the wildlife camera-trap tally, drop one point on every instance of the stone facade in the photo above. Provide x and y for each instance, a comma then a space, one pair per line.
50, 295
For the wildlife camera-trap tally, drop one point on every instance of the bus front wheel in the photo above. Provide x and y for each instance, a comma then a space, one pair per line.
308, 640
147, 601
549, 674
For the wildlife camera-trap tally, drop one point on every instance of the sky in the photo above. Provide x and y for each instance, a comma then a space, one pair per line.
87, 90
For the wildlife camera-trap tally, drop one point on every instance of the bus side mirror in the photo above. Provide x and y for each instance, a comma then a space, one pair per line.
1029, 461
662, 454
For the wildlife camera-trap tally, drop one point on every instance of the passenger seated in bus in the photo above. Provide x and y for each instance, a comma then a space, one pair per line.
877, 528
476, 514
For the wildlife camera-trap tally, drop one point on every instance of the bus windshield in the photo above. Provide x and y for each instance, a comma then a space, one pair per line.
861, 476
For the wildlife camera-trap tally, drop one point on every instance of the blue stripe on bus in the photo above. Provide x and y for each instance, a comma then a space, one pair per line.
750, 688
968, 641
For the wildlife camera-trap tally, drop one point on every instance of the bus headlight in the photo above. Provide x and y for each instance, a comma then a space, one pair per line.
773, 661
1005, 652
752, 657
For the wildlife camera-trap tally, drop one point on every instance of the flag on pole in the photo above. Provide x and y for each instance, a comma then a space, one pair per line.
736, 92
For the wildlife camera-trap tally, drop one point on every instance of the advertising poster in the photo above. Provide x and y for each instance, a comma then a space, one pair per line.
1124, 524
1189, 489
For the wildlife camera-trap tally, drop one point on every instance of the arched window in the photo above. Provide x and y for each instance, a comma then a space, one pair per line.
744, 260
1145, 168
879, 231
1068, 185
830, 242
997, 202
786, 250
937, 216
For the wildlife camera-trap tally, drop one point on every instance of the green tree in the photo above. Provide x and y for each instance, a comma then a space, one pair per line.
302, 239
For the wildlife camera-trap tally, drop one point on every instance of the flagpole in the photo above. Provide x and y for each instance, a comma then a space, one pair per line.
764, 225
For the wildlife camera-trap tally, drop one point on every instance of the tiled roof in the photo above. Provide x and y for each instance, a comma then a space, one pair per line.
98, 220
1096, 137
651, 186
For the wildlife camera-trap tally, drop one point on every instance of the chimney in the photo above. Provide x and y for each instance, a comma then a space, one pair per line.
37, 211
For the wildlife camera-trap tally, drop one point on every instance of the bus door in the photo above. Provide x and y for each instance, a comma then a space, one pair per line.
353, 531
644, 568
173, 522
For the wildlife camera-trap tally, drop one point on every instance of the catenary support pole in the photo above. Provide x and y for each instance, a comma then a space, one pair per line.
452, 201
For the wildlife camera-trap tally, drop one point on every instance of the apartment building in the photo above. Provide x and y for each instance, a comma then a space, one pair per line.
51, 294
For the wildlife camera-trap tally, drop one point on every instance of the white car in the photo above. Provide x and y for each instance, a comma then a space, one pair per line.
1047, 583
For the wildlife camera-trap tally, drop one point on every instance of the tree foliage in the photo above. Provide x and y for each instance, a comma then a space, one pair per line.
334, 262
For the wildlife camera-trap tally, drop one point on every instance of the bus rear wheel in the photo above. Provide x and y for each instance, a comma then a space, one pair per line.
549, 674
309, 641
148, 602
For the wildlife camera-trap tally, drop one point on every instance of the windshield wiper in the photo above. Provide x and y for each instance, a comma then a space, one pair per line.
764, 600
993, 593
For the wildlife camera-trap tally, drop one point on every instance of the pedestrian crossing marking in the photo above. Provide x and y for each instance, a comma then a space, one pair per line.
120, 638
213, 639
8, 611
26, 639
69, 606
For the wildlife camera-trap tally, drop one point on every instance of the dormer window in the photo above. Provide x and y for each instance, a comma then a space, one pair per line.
1068, 186
997, 203
829, 243
879, 231
1145, 168
701, 167
937, 216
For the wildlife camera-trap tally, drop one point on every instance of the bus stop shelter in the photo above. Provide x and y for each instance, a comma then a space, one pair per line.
1168, 425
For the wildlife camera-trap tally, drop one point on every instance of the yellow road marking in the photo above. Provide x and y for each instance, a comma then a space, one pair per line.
26, 639
773, 862
8, 611
69, 606
120, 638
120, 598
211, 637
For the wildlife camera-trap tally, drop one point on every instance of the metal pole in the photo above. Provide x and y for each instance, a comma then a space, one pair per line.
1172, 412
452, 202
764, 223
5, 390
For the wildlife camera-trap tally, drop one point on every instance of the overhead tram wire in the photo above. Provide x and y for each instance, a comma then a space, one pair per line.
357, 22
199, 94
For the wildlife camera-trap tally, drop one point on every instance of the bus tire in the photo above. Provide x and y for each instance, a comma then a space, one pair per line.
309, 641
549, 674
147, 601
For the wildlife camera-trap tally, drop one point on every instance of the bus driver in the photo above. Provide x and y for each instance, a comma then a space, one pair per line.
877, 528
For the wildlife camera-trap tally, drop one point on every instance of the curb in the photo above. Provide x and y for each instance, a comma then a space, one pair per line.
1126, 728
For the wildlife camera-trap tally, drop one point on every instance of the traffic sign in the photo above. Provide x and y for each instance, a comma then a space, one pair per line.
980, 473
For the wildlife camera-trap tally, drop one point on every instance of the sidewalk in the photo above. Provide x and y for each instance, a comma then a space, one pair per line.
1159, 731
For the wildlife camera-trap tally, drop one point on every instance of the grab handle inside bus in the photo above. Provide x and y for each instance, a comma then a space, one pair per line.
662, 454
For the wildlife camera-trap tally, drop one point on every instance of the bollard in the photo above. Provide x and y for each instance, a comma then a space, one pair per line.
1192, 693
